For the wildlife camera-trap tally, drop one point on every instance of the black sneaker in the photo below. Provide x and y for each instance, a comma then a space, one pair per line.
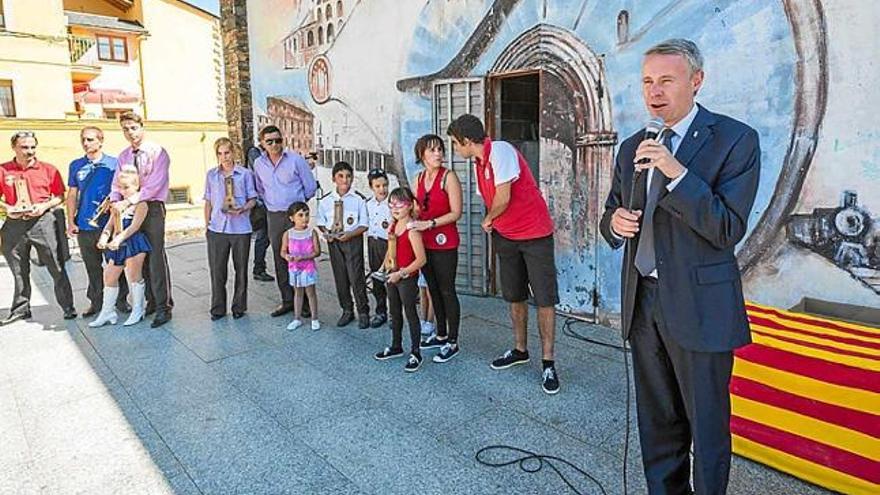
388, 353
413, 363
432, 342
447, 352
510, 358
550, 380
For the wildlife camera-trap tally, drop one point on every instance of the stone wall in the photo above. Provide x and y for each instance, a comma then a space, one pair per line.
239, 106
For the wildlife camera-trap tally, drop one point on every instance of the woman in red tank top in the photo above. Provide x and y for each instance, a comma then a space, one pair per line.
438, 193
403, 288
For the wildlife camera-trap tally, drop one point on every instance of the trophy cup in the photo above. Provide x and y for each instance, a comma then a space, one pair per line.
229, 197
23, 202
390, 264
103, 208
111, 230
337, 229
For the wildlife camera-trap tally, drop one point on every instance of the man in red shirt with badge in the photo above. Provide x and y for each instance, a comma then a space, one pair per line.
29, 190
522, 234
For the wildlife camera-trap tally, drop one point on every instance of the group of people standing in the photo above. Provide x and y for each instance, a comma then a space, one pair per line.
114, 205
679, 204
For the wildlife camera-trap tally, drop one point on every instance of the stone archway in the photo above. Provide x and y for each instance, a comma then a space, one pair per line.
577, 148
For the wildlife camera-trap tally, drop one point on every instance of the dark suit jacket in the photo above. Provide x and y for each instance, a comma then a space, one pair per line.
696, 228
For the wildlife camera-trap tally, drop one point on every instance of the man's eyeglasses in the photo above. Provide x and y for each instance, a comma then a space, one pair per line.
275, 141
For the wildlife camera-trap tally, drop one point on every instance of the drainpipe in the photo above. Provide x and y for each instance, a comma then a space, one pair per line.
140, 40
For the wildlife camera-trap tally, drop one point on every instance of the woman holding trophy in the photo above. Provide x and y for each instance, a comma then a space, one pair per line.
125, 248
230, 194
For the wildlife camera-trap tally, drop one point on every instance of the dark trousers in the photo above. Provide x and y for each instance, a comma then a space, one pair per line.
278, 223
402, 298
681, 396
261, 243
157, 276
220, 247
93, 259
440, 270
17, 238
376, 249
347, 261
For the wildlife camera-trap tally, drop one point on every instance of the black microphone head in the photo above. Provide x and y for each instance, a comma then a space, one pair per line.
653, 128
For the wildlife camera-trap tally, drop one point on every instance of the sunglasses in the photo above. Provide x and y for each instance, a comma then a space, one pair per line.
375, 173
275, 141
397, 204
24, 134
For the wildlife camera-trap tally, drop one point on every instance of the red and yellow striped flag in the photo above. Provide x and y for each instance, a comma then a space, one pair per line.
805, 399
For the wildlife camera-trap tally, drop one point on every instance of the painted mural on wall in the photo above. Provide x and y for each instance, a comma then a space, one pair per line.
561, 80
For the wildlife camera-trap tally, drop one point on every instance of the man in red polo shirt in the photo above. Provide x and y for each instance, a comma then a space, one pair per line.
33, 227
522, 234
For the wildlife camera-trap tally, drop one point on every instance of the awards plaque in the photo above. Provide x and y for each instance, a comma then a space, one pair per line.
229, 196
23, 203
390, 263
337, 229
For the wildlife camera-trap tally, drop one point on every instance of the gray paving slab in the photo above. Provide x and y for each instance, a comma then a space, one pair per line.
379, 451
291, 391
243, 406
233, 446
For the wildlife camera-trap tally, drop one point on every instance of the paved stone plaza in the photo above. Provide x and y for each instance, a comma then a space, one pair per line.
246, 407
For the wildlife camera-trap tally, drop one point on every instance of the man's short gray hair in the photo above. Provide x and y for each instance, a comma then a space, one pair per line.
680, 46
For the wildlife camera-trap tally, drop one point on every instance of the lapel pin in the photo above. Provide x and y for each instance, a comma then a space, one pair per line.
696, 133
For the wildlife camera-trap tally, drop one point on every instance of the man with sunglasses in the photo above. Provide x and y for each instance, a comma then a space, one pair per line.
282, 177
32, 226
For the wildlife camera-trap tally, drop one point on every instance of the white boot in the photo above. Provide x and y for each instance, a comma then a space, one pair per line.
137, 303
108, 308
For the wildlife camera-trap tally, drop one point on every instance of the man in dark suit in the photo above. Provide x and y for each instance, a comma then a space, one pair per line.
682, 302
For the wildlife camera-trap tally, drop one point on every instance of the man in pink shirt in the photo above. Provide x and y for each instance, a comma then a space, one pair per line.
153, 163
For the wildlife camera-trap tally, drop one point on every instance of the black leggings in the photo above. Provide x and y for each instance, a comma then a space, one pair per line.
402, 297
440, 273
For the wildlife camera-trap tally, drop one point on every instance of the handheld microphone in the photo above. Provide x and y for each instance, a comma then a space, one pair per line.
652, 130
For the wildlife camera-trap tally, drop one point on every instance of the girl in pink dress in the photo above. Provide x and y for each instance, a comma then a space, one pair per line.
300, 246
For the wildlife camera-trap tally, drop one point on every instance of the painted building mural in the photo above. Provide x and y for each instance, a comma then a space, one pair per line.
561, 80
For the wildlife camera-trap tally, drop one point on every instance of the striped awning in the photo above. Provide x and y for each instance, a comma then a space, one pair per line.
805, 399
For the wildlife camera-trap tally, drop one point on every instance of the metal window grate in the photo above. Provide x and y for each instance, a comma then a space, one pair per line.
178, 196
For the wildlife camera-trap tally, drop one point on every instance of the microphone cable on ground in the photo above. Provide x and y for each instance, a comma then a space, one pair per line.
540, 462
531, 462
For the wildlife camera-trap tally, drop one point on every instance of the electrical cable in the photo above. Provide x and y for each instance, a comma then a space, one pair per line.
542, 460
526, 456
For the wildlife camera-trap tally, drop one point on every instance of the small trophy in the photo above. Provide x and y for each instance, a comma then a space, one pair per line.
229, 197
103, 208
23, 202
111, 230
117, 224
390, 264
337, 229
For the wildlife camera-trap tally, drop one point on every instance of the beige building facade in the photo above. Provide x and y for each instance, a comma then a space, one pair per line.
65, 64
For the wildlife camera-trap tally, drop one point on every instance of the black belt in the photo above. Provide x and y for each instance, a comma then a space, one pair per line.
649, 281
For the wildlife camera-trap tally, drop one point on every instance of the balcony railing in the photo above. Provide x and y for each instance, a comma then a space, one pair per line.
79, 45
